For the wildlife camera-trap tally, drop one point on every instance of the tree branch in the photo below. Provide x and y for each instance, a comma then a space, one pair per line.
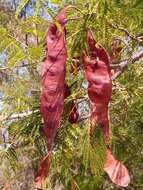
17, 115
124, 64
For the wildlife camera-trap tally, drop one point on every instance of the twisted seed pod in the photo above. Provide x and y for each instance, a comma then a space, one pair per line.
98, 75
53, 84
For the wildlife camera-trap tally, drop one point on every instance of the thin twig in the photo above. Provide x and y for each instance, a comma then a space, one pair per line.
17, 66
74, 19
21, 43
76, 8
125, 31
74, 34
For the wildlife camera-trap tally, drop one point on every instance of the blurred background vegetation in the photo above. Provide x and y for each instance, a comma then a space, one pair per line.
118, 26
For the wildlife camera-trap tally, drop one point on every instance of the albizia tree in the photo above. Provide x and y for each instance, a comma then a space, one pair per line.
71, 91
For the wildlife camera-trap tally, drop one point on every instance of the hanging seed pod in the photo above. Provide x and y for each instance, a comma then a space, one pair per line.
97, 71
98, 74
73, 115
53, 84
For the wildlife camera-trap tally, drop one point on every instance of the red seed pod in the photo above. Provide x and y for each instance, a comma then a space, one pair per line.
53, 88
97, 71
117, 172
73, 115
98, 75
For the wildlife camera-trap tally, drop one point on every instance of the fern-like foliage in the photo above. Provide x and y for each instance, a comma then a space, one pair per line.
94, 150
78, 156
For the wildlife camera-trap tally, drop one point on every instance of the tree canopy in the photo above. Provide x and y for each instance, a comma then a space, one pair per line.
117, 26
